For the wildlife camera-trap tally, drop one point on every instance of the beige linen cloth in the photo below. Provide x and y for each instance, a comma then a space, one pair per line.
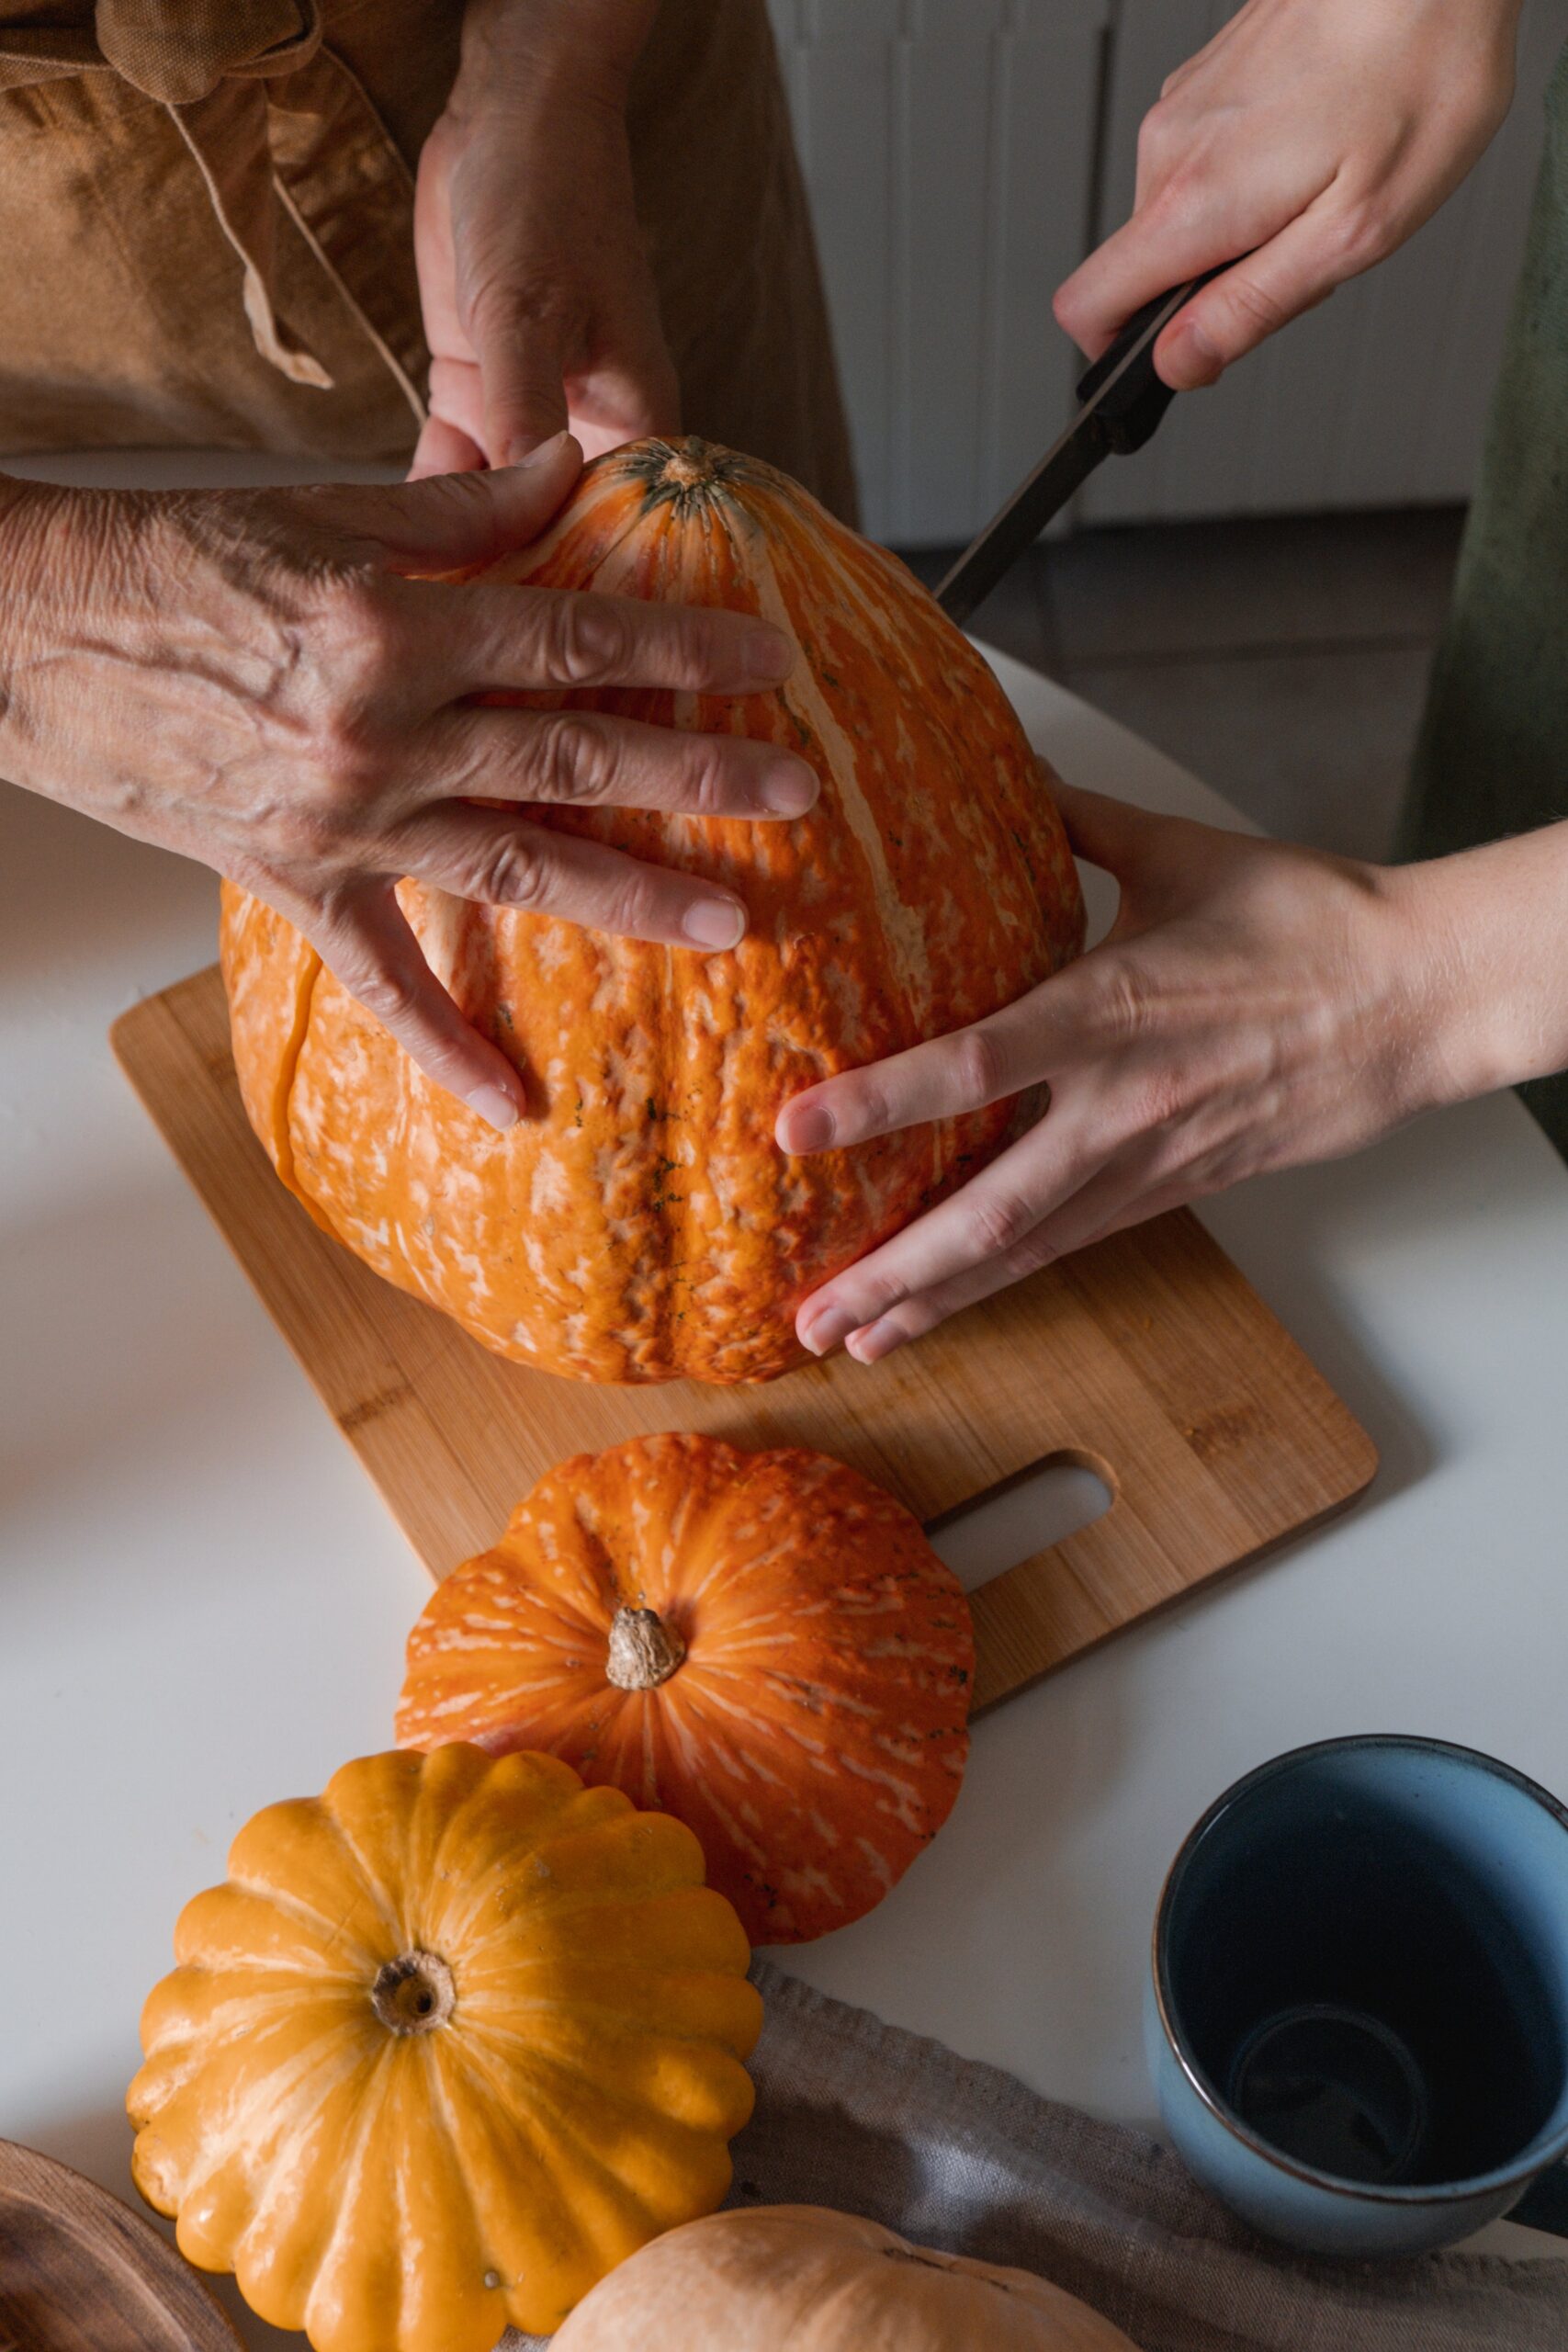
207, 215
855, 2114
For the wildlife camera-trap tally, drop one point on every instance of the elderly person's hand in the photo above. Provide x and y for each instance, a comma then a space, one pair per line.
1254, 1006
254, 679
539, 305
1313, 136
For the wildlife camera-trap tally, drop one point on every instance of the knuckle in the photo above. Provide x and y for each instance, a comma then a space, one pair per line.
710, 786
879, 1296
998, 1222
587, 639
500, 302
1155, 130
573, 758
356, 634
314, 836
859, 1108
1184, 193
356, 667
978, 1073
1120, 1014
1027, 1257
348, 765
514, 873
1253, 307
1363, 233
632, 912
381, 989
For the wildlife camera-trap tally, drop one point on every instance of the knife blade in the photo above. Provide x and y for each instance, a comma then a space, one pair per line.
1121, 402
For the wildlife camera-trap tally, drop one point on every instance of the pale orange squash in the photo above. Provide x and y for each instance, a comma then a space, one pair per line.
799, 2278
764, 1645
452, 2039
644, 1225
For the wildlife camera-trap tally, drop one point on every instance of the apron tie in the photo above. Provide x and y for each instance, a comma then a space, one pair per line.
276, 123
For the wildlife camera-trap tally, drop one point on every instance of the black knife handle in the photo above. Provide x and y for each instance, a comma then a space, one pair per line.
1133, 408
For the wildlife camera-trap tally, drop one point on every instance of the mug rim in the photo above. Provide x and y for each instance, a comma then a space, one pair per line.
1519, 2169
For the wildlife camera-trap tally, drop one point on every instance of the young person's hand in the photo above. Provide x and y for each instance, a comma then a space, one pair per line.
1312, 136
1255, 1005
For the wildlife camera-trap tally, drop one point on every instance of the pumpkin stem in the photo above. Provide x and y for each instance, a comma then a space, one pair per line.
413, 1994
643, 1650
689, 465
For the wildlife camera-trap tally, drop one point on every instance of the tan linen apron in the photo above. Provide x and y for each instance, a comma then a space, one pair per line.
206, 227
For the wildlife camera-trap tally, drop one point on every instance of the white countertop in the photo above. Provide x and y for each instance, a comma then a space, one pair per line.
205, 1602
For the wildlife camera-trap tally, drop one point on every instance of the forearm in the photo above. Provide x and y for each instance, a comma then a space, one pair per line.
1498, 921
580, 45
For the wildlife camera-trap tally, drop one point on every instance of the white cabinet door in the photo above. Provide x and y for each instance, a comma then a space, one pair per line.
949, 147
962, 154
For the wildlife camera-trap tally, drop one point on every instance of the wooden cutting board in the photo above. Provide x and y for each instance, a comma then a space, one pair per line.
81, 2272
1147, 1359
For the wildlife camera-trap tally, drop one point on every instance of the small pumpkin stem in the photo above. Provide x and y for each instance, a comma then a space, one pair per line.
690, 465
643, 1650
414, 1992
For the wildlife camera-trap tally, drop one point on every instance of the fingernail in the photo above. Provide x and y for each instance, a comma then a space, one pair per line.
715, 922
826, 1329
770, 653
875, 1342
540, 456
789, 788
811, 1129
495, 1105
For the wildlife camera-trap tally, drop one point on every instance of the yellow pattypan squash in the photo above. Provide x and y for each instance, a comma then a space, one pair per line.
454, 2038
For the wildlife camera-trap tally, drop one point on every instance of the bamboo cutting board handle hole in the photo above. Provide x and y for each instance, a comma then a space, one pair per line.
1040, 1506
1148, 1351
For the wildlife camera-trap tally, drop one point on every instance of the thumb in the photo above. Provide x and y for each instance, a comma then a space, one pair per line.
460, 522
1275, 283
521, 380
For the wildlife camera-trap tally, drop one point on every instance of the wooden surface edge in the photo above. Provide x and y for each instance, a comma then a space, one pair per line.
1032, 1617
997, 1605
80, 2212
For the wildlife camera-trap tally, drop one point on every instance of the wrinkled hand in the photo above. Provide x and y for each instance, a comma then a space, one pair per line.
540, 304
1313, 136
251, 678
1254, 1006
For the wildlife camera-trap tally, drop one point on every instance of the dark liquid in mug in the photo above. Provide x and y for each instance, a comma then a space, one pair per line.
1380, 2019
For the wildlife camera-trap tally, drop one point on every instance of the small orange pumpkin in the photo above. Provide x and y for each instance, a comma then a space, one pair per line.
644, 1225
764, 1645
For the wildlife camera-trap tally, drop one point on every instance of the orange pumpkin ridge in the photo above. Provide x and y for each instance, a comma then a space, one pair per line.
644, 1225
449, 2041
764, 1645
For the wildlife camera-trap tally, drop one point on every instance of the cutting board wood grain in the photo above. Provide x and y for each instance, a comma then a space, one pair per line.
81, 2272
1148, 1359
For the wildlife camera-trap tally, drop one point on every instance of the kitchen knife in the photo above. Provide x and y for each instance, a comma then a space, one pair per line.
1121, 401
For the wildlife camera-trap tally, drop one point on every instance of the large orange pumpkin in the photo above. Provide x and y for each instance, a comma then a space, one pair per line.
644, 1225
764, 1645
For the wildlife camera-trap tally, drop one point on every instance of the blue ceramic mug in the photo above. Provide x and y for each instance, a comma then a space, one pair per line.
1357, 2017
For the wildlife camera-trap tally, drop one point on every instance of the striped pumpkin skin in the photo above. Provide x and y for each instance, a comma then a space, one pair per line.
813, 1733
644, 1226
